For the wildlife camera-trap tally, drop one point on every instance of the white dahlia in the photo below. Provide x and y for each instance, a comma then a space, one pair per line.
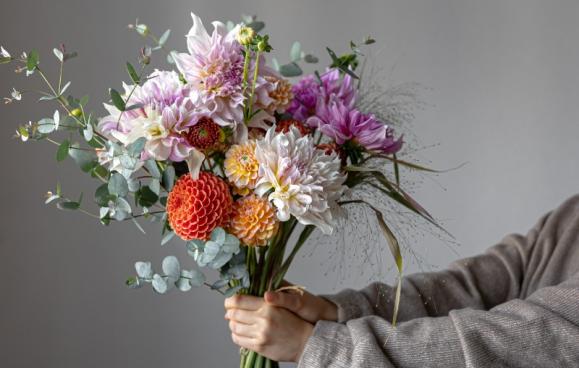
304, 181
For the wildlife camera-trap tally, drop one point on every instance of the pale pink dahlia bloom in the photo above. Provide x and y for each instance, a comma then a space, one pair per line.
213, 69
306, 182
166, 112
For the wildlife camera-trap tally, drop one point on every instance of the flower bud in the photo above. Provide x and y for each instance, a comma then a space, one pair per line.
245, 35
262, 46
76, 112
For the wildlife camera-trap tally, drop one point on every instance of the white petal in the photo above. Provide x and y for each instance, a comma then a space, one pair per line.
198, 39
194, 162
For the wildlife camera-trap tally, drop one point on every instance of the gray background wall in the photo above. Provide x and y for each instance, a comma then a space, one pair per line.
504, 99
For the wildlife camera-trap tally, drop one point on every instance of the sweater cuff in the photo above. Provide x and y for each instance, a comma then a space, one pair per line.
329, 346
351, 305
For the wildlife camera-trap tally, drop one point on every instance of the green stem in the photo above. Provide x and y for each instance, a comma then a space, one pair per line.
253, 84
259, 361
280, 274
60, 76
249, 362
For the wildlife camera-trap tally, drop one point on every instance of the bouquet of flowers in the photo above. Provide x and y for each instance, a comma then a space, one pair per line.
226, 153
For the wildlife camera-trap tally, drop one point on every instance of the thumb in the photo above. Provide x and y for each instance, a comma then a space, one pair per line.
289, 301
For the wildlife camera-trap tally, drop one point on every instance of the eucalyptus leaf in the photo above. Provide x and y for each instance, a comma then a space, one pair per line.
65, 88
68, 205
171, 268
138, 225
170, 235
151, 166
85, 159
88, 133
290, 70
164, 37
47, 98
296, 52
256, 26
56, 119
183, 284
146, 197
169, 177
196, 278
232, 291
117, 99
159, 284
118, 185
62, 151
83, 101
144, 270
133, 73
155, 186
135, 148
133, 282
32, 60
102, 196
309, 58
46, 126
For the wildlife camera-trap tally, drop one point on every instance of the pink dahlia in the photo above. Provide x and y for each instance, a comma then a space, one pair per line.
344, 124
165, 112
309, 92
213, 69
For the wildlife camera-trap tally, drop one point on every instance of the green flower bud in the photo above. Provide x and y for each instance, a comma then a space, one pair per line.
245, 35
76, 112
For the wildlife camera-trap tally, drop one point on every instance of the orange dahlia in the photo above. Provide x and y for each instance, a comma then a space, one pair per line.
281, 95
196, 207
241, 167
253, 220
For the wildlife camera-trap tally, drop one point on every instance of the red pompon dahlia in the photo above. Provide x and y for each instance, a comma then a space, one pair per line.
196, 207
284, 126
205, 134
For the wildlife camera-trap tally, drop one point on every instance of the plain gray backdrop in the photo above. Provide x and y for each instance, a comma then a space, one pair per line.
504, 97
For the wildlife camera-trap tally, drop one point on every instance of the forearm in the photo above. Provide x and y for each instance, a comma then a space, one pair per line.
480, 282
538, 332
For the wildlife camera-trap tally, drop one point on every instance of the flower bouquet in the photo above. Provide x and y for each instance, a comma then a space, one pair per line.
224, 152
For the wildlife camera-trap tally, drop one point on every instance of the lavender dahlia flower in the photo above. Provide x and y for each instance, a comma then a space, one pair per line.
213, 69
166, 113
310, 92
344, 124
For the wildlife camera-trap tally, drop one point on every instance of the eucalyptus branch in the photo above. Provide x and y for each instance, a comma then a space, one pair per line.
141, 72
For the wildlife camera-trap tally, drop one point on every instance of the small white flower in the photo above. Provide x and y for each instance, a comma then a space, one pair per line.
4, 53
16, 94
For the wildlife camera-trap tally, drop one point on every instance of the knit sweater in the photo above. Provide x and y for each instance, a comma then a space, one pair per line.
517, 305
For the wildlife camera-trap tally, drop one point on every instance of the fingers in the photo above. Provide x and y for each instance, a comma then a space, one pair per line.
242, 329
243, 302
246, 342
242, 316
289, 301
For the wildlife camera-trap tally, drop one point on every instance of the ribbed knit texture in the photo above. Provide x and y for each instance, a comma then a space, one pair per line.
517, 305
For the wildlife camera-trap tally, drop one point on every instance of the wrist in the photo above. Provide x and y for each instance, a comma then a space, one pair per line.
329, 311
307, 332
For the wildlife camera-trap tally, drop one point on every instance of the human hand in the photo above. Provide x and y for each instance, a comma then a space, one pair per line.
307, 306
273, 332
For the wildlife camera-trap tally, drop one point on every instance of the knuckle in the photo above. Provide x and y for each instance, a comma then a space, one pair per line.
232, 326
